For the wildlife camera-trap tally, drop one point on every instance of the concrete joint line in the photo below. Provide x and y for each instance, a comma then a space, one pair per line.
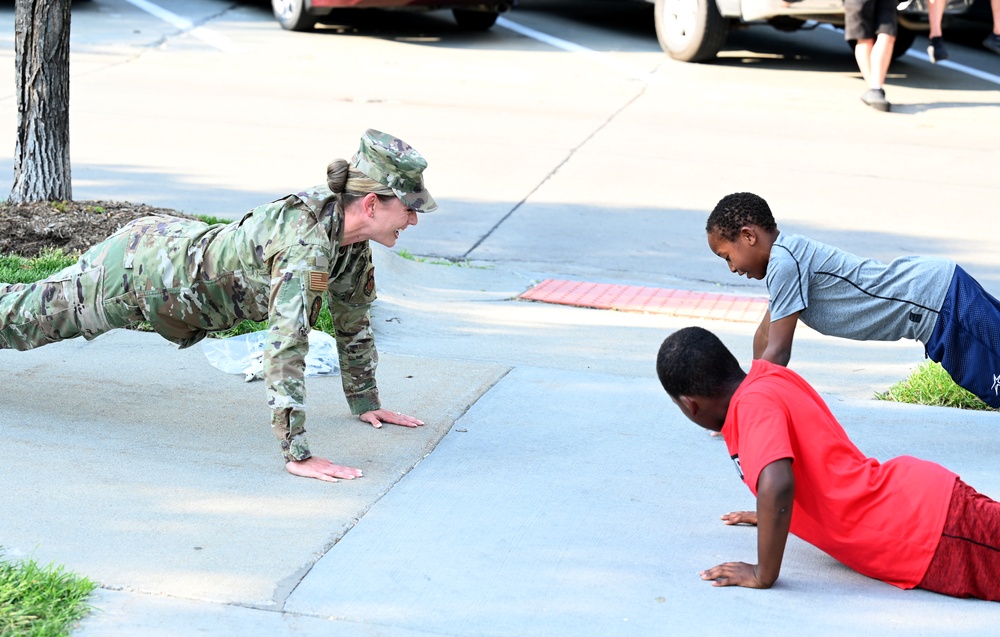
555, 170
571, 47
283, 590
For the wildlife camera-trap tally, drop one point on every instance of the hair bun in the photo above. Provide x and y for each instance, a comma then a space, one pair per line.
336, 175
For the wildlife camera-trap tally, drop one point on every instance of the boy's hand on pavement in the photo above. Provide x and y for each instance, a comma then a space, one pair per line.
733, 574
741, 517
321, 469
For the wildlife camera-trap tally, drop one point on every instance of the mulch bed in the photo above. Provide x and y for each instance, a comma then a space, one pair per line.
74, 226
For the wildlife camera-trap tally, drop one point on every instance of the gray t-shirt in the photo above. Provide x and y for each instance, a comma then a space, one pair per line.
843, 295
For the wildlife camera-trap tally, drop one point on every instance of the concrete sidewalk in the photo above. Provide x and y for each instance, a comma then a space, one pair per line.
554, 490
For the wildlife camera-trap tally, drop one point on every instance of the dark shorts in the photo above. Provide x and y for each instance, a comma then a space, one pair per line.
967, 559
865, 19
966, 338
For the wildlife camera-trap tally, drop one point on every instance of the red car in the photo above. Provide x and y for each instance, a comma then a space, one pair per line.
472, 15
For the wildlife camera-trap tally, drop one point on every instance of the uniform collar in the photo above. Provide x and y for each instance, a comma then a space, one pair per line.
326, 208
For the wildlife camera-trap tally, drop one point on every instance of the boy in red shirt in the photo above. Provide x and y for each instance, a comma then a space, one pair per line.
907, 522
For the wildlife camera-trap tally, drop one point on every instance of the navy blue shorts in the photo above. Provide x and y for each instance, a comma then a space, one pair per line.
966, 338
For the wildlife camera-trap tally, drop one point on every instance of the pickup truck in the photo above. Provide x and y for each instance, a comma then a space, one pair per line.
696, 30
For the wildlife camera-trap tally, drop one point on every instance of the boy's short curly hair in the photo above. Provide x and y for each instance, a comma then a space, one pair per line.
694, 362
738, 210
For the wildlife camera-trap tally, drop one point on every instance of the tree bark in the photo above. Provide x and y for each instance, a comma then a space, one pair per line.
41, 156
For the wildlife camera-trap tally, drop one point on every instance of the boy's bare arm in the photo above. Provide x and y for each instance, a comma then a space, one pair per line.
775, 493
776, 342
760, 336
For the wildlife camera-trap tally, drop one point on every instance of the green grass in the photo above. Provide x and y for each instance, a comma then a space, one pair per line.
324, 323
246, 326
409, 256
15, 269
40, 601
210, 220
930, 384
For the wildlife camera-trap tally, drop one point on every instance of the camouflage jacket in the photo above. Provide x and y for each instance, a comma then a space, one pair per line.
190, 278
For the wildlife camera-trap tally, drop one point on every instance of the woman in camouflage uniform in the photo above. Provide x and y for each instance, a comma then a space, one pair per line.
188, 278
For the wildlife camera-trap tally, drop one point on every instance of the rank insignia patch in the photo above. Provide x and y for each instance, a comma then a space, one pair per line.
317, 304
370, 282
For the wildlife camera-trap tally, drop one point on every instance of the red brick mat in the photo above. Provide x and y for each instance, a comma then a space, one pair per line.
635, 298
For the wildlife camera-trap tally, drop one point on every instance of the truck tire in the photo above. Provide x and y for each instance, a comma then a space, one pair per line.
469, 20
904, 40
690, 30
292, 15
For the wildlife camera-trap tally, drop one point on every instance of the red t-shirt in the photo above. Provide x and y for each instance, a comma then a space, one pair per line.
882, 520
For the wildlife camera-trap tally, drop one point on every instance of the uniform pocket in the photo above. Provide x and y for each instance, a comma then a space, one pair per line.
84, 295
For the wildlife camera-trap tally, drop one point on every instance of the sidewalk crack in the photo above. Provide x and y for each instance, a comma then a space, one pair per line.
555, 170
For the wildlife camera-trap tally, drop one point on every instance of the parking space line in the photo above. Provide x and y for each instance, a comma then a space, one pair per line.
955, 66
208, 36
632, 71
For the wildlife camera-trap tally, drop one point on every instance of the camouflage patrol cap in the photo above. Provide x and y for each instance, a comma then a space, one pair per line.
394, 163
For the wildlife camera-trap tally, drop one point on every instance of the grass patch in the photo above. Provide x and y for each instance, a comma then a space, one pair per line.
409, 256
40, 601
15, 269
930, 384
210, 220
246, 326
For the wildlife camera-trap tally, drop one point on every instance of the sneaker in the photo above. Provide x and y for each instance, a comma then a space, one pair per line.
992, 42
936, 51
875, 97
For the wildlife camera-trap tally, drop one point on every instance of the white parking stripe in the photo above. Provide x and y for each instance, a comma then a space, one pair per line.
602, 58
955, 66
208, 36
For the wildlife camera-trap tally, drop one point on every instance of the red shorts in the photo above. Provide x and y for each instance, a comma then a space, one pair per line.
967, 559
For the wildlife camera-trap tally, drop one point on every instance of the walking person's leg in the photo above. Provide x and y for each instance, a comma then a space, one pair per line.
935, 16
872, 25
992, 41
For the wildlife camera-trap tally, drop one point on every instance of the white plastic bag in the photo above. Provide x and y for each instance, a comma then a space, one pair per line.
244, 354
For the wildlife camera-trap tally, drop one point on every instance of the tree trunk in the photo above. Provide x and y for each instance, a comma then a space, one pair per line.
41, 156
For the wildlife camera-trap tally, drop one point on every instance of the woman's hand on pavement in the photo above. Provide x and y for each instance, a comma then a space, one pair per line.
321, 469
377, 417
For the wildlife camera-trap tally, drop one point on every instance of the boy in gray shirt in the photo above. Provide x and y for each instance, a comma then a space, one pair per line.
928, 299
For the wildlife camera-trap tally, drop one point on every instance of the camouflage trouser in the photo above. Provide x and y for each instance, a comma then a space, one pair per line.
85, 299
